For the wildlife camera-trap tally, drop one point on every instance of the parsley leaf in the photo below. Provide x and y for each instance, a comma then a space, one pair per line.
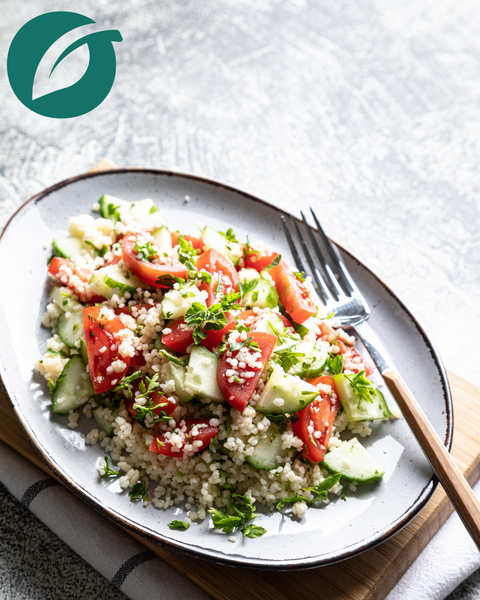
334, 364
288, 358
363, 387
139, 490
291, 500
107, 471
300, 275
229, 235
147, 250
187, 256
204, 319
176, 524
237, 515
51, 386
247, 287
173, 359
274, 262
320, 492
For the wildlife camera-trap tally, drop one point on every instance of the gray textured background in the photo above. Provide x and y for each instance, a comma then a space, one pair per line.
367, 110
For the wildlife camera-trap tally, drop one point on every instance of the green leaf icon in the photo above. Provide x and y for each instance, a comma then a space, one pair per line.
30, 45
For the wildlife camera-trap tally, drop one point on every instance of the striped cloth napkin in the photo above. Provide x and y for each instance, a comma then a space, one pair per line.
448, 559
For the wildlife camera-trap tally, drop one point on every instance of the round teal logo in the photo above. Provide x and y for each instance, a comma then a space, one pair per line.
30, 45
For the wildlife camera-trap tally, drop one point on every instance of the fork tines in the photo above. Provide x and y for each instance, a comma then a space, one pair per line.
332, 282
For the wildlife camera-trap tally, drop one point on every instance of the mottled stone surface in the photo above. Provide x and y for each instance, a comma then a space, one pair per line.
369, 111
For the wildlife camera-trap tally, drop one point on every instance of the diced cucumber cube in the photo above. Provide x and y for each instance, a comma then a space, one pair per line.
263, 295
105, 425
271, 323
70, 328
110, 207
176, 302
201, 376
67, 247
353, 462
216, 241
177, 373
285, 393
62, 297
268, 451
357, 409
163, 238
114, 279
74, 387
145, 213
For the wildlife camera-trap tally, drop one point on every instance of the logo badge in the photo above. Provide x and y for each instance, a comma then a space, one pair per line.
30, 45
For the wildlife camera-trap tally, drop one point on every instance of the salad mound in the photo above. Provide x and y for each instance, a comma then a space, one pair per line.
213, 374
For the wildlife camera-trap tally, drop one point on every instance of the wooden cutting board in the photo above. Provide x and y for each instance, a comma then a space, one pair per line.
369, 576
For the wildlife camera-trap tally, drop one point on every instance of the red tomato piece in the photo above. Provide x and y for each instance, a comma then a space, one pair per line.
238, 394
197, 243
293, 294
149, 272
180, 336
319, 414
156, 397
215, 338
366, 360
222, 270
100, 333
254, 261
137, 360
162, 445
75, 278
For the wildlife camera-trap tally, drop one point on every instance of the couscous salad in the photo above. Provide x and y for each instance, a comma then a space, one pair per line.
213, 377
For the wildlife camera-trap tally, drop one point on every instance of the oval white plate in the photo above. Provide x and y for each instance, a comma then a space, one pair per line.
326, 534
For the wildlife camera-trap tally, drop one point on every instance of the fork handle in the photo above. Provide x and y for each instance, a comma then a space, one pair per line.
450, 476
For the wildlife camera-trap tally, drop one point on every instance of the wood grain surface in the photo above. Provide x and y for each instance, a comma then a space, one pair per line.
369, 576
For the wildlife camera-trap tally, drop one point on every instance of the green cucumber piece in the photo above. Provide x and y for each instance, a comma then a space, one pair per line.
267, 450
172, 303
216, 241
271, 323
201, 376
70, 328
357, 410
263, 295
62, 297
294, 392
163, 238
83, 350
104, 424
66, 396
114, 279
311, 366
353, 462
177, 373
67, 247
110, 207
145, 213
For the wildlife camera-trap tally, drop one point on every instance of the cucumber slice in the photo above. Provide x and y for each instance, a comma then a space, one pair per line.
62, 297
271, 323
311, 366
104, 424
175, 303
83, 351
163, 238
177, 373
201, 376
110, 207
294, 392
70, 328
353, 462
360, 411
74, 387
263, 295
67, 247
113, 280
267, 450
216, 241
145, 213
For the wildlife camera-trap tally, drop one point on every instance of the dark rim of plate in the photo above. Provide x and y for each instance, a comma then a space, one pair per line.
213, 555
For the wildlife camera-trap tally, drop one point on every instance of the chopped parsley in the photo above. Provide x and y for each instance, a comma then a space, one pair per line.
204, 319
187, 256
247, 287
180, 525
148, 250
363, 387
109, 472
334, 364
139, 490
274, 262
61, 353
237, 516
174, 359
229, 235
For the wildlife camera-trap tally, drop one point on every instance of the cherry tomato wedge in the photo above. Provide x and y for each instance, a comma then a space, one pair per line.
223, 273
254, 261
162, 444
75, 278
367, 363
319, 414
180, 336
146, 270
157, 398
197, 243
100, 333
293, 294
238, 393
329, 334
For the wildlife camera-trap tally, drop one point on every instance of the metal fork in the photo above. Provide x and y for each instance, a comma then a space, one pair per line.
338, 291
